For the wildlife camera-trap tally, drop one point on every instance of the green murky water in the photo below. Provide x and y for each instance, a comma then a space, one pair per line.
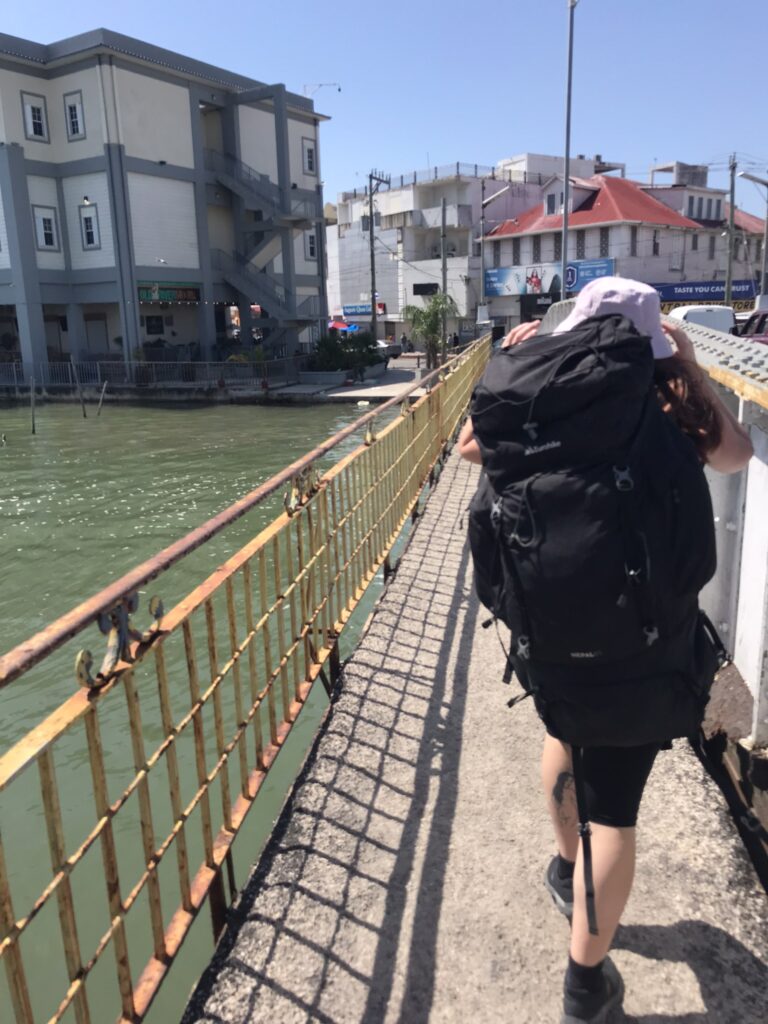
82, 502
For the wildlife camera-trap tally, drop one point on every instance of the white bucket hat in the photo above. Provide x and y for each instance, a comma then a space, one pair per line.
637, 301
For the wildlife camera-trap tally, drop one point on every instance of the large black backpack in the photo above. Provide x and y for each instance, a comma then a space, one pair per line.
592, 534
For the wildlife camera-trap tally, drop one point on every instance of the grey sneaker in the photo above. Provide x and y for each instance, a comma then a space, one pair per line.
560, 889
581, 1007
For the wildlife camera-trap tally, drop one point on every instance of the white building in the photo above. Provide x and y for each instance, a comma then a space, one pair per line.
407, 231
141, 194
673, 236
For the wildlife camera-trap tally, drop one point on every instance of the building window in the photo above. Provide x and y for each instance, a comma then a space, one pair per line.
655, 247
73, 111
154, 325
633, 241
605, 234
709, 208
718, 207
694, 243
700, 208
35, 117
551, 203
308, 150
515, 252
46, 228
758, 250
737, 248
711, 247
89, 226
558, 246
581, 244
497, 254
690, 206
537, 248
310, 248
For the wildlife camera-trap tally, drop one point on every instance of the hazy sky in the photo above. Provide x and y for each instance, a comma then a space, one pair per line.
443, 81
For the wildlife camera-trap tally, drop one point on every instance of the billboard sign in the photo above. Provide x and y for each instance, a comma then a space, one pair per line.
703, 291
364, 309
544, 278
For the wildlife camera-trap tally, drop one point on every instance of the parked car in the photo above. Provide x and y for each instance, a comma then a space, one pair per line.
719, 318
389, 349
756, 328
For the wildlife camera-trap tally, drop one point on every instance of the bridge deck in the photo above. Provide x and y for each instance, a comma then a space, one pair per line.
404, 881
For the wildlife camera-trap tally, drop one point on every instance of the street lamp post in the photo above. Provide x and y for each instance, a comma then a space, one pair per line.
483, 203
762, 299
567, 170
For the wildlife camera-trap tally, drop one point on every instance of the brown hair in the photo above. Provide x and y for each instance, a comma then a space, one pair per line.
683, 396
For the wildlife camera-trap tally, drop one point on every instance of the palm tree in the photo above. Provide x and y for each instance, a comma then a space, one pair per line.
427, 323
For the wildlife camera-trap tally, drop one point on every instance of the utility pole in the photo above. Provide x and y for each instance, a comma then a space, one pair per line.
374, 180
731, 232
482, 242
567, 169
483, 203
762, 300
444, 259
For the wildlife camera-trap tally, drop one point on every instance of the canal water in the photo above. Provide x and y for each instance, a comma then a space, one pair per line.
81, 502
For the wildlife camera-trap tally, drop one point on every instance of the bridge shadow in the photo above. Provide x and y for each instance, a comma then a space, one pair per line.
332, 901
733, 982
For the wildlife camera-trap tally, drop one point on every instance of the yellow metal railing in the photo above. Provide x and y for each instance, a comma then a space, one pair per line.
211, 692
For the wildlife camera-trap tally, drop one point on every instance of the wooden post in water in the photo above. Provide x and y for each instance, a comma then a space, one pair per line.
77, 385
101, 397
32, 402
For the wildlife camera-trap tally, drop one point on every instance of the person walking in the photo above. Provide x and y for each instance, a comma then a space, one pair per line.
594, 503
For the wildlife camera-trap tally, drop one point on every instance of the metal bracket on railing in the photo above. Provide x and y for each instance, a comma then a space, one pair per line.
303, 486
370, 435
405, 408
116, 625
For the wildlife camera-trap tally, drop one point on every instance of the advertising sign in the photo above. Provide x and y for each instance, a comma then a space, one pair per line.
703, 291
364, 309
170, 291
544, 278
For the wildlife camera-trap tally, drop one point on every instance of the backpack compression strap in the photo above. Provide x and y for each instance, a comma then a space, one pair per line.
586, 838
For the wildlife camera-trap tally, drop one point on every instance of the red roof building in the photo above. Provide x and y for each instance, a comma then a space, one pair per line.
623, 227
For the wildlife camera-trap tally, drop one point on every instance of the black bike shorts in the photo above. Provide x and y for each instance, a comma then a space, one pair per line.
614, 780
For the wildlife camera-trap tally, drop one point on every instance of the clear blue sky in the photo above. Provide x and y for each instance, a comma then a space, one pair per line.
654, 80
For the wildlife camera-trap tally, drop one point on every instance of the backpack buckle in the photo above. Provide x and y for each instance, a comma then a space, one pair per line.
623, 477
651, 634
523, 647
496, 512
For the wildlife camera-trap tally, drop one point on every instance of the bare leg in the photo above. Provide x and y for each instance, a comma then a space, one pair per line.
613, 857
557, 777
613, 868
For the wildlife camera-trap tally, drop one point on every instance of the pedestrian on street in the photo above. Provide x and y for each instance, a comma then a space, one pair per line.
593, 441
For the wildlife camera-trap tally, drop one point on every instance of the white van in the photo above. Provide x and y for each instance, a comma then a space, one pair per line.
719, 318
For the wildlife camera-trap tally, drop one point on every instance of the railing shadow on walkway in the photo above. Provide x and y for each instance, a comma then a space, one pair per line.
340, 922
331, 823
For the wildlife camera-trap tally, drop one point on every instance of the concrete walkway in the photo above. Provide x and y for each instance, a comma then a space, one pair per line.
405, 885
392, 383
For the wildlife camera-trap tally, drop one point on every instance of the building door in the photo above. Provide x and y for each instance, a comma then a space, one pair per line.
53, 337
96, 335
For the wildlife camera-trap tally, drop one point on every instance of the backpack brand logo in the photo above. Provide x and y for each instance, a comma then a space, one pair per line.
586, 654
534, 449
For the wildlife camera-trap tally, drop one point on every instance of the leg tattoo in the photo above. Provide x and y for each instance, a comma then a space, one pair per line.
564, 796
